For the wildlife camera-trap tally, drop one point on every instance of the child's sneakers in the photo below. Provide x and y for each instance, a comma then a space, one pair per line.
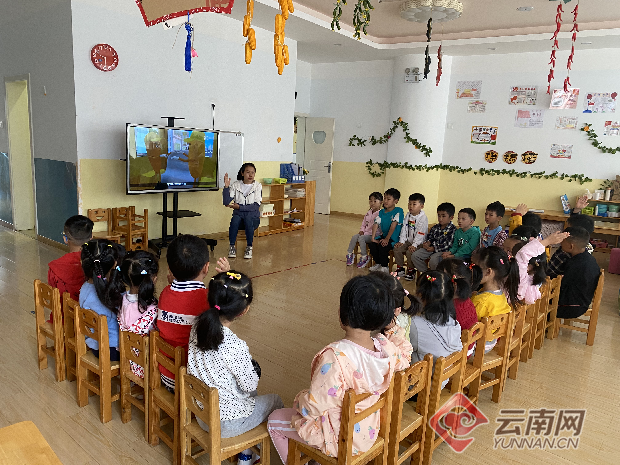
400, 271
376, 267
232, 252
364, 259
248, 252
410, 276
350, 259
245, 458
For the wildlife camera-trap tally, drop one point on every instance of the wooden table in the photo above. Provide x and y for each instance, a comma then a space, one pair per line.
22, 443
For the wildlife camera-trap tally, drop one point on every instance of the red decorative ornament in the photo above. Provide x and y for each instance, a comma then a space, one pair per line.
104, 57
439, 65
569, 63
555, 46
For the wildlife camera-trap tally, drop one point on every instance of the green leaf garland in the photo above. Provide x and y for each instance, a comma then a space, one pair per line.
357, 141
383, 166
592, 137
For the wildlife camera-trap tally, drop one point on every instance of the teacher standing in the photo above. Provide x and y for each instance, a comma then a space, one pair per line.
244, 196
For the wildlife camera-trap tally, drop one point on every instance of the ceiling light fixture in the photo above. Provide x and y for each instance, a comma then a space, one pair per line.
338, 45
491, 48
525, 8
586, 43
440, 10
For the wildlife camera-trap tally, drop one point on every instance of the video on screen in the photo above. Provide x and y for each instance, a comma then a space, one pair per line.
168, 159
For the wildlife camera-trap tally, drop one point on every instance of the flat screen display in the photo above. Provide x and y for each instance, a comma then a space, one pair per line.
164, 159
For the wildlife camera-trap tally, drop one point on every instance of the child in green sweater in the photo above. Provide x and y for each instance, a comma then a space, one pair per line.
466, 238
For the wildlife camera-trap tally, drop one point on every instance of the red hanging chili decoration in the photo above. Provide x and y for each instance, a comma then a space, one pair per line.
555, 46
439, 65
571, 57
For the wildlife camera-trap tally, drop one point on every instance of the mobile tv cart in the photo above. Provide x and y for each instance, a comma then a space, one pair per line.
174, 214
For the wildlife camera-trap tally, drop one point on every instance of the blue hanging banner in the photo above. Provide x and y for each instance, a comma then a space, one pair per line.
188, 45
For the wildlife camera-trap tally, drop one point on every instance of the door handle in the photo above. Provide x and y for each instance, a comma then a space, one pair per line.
329, 167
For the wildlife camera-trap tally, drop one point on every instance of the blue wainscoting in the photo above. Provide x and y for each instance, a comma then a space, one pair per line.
6, 208
56, 196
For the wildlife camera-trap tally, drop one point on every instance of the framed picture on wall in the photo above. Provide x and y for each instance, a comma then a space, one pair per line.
484, 135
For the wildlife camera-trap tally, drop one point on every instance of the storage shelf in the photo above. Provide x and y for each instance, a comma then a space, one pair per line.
605, 201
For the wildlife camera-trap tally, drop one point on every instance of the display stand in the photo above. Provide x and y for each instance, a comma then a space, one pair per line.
175, 214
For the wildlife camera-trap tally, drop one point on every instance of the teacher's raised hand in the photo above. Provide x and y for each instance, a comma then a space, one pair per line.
226, 180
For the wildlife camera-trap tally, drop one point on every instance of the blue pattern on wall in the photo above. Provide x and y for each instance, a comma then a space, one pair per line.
56, 192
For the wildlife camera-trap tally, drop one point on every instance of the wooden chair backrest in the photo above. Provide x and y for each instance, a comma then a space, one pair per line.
472, 335
128, 342
90, 324
204, 402
496, 326
554, 293
97, 215
159, 350
46, 297
70, 307
519, 320
349, 419
598, 293
450, 367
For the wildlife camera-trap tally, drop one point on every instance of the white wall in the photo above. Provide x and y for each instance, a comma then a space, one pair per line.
35, 39
150, 81
302, 87
593, 71
358, 96
423, 106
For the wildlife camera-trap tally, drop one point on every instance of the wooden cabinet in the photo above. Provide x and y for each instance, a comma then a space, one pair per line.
303, 206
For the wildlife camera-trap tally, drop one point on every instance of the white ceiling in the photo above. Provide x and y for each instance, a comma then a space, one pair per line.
317, 42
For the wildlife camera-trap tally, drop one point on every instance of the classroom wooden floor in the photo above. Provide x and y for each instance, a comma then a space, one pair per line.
297, 280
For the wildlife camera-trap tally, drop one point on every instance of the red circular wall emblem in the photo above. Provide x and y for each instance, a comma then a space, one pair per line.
104, 57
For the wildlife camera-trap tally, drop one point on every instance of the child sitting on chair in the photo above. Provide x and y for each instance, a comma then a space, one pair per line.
412, 234
221, 360
557, 263
103, 291
580, 277
360, 361
139, 308
493, 234
185, 298
364, 236
466, 238
66, 273
386, 230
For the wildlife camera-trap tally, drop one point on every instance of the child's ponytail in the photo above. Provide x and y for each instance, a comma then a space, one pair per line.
436, 291
400, 294
139, 269
466, 277
539, 273
506, 271
230, 294
100, 257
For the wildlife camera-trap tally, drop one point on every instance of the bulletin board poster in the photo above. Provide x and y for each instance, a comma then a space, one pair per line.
564, 100
468, 89
484, 135
523, 95
561, 151
599, 102
529, 119
476, 106
612, 128
566, 122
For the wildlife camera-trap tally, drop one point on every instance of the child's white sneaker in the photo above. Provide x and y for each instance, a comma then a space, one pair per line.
376, 267
248, 252
350, 259
232, 252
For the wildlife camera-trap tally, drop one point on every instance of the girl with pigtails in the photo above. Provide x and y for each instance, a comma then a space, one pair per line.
102, 292
139, 308
221, 360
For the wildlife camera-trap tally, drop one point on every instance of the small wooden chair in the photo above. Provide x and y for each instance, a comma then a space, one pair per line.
589, 319
300, 453
48, 297
95, 326
196, 398
99, 215
134, 348
552, 310
539, 319
515, 342
446, 368
471, 373
498, 326
527, 333
160, 399
133, 228
371, 261
70, 308
408, 423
